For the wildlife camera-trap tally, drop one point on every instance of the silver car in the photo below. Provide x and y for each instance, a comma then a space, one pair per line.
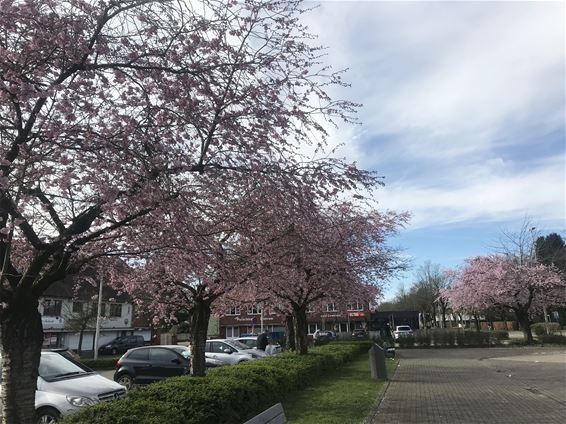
228, 351
64, 386
251, 342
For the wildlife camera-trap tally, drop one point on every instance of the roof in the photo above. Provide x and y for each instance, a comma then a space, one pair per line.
83, 286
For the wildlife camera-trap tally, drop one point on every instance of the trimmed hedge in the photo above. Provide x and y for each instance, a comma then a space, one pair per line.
228, 395
542, 328
552, 339
444, 337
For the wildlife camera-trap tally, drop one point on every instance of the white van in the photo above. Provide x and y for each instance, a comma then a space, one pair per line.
64, 386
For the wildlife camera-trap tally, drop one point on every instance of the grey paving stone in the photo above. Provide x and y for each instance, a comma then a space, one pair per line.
476, 386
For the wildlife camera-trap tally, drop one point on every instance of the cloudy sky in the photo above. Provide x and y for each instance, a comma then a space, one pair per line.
463, 114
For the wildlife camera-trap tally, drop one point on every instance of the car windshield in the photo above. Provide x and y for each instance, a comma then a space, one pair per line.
238, 345
184, 351
404, 328
53, 365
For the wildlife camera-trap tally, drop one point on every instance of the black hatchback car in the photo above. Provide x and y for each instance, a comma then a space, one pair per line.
151, 363
122, 344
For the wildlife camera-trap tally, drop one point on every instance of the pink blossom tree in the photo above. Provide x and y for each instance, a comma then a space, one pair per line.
110, 110
495, 280
335, 252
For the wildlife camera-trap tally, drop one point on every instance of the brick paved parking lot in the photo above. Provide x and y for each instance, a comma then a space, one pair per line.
491, 385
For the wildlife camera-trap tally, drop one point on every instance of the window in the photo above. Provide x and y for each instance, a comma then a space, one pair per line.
310, 308
355, 306
232, 332
218, 347
313, 328
115, 309
234, 310
77, 307
52, 307
330, 307
163, 355
140, 354
254, 310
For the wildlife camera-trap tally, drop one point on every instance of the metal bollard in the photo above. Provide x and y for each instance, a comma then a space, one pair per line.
377, 362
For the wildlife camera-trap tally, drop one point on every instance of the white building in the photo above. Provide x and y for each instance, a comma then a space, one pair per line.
64, 305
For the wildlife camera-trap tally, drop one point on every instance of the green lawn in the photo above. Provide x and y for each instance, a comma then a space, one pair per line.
344, 396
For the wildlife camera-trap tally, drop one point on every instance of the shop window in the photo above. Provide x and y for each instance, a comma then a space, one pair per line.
232, 332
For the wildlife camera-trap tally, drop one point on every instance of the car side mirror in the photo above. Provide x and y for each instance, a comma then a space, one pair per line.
176, 361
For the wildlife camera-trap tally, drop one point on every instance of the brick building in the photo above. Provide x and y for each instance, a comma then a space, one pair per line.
343, 320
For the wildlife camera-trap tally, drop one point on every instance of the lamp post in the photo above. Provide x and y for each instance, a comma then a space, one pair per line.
97, 330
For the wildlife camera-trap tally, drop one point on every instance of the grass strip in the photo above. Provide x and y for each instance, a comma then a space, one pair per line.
343, 396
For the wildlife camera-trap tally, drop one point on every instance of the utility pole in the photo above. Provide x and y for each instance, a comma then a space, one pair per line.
261, 320
97, 331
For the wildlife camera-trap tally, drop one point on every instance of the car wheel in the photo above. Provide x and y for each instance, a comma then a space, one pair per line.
46, 416
125, 380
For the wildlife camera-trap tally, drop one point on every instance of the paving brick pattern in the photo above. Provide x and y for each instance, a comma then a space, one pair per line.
456, 386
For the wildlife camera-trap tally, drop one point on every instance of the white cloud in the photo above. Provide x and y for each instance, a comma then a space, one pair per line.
484, 193
452, 94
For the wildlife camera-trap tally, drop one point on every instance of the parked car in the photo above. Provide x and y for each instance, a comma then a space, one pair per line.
251, 342
324, 334
65, 385
122, 344
151, 363
359, 334
230, 351
402, 331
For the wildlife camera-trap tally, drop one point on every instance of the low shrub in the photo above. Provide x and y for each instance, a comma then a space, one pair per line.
552, 339
476, 338
500, 335
227, 395
443, 337
406, 341
423, 337
541, 328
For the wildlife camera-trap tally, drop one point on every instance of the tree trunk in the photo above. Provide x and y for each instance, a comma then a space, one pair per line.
477, 321
200, 315
290, 332
301, 330
434, 323
524, 324
80, 347
21, 340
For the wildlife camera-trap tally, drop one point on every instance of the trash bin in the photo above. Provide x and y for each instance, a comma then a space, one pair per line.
377, 362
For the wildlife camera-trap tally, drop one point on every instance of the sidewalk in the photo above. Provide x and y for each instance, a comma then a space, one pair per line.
476, 386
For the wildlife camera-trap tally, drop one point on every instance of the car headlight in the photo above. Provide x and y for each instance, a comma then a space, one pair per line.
79, 401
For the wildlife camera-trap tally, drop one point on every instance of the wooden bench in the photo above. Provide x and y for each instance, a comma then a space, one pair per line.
273, 415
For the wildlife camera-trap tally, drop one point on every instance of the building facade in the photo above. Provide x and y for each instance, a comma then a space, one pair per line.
342, 319
66, 309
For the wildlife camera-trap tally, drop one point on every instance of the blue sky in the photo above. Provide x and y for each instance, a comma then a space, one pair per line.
463, 114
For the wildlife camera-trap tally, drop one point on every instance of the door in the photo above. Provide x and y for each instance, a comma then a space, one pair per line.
222, 352
166, 363
139, 362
